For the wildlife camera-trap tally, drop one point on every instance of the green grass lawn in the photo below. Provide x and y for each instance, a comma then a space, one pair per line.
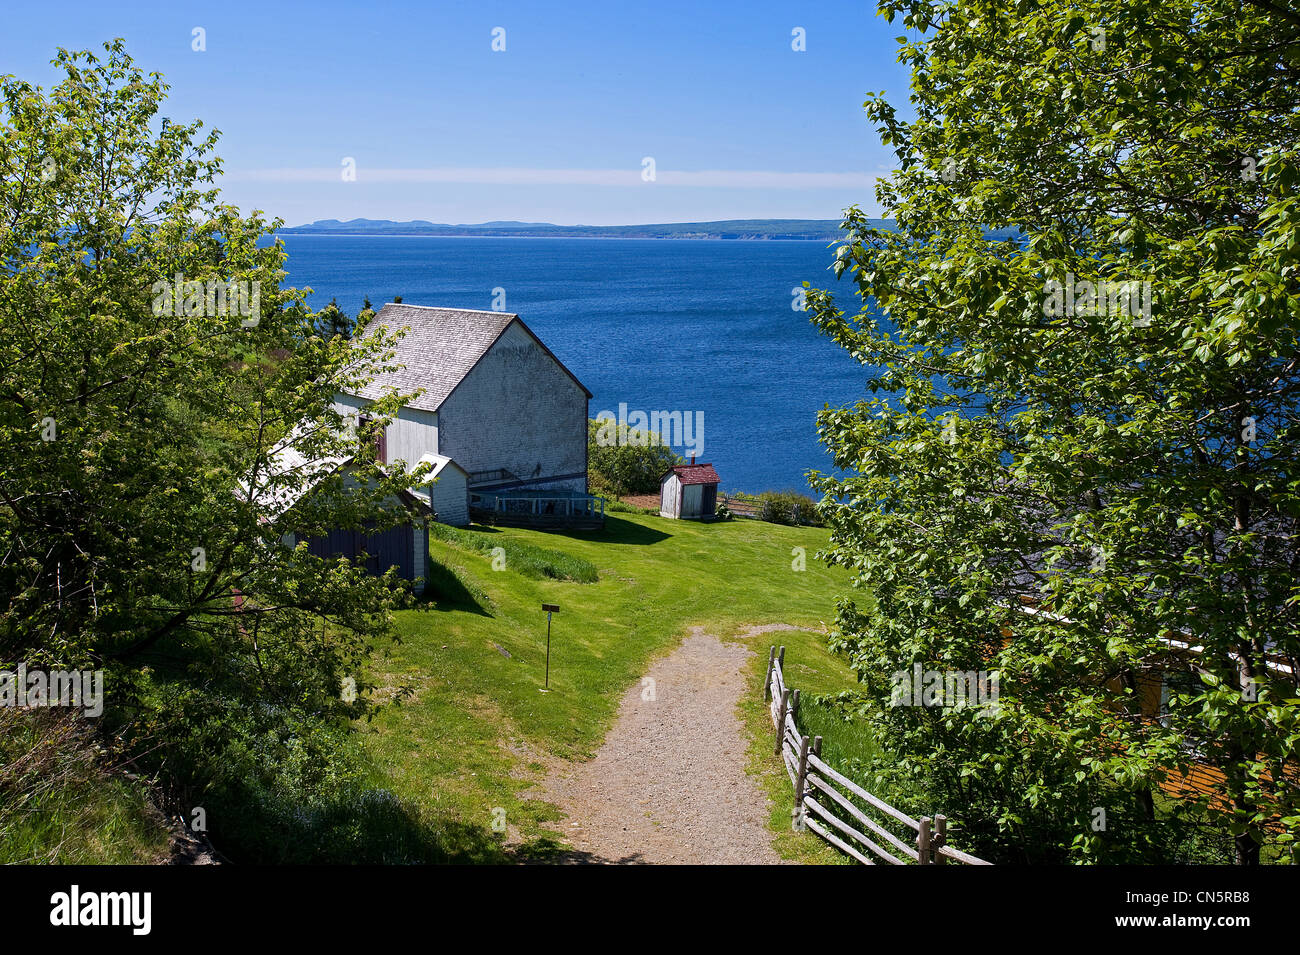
471, 733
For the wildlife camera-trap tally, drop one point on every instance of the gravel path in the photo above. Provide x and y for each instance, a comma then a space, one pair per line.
669, 783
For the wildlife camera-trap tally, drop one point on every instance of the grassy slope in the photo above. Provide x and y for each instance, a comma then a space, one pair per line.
810, 669
475, 733
59, 805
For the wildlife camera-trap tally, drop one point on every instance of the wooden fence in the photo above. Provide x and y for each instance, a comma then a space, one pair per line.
767, 511
739, 508
817, 786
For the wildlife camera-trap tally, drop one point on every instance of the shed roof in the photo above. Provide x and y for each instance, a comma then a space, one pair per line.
441, 347
440, 463
291, 476
694, 474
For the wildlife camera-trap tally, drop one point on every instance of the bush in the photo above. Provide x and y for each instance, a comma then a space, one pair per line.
784, 507
614, 506
278, 789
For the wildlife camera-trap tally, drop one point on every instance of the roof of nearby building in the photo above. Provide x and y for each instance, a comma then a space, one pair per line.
694, 474
441, 346
440, 463
291, 476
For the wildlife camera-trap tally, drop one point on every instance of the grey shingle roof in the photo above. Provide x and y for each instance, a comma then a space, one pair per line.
440, 347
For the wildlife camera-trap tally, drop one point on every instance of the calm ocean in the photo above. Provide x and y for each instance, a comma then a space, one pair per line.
657, 324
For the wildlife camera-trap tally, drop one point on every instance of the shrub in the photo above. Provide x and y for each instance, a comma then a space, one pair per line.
614, 506
278, 789
787, 507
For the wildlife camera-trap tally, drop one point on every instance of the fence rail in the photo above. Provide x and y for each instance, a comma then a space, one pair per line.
766, 510
740, 508
818, 787
537, 509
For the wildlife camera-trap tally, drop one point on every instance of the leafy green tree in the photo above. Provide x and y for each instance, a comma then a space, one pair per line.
153, 374
623, 460
1089, 494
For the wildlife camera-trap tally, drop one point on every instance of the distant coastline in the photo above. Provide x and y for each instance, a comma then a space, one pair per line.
740, 229
494, 235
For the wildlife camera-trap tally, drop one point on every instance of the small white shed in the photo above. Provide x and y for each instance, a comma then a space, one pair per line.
447, 491
689, 492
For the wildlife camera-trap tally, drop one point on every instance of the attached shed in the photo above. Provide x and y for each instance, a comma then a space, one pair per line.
291, 477
404, 546
689, 492
447, 491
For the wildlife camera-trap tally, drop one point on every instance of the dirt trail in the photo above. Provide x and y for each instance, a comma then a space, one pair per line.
669, 783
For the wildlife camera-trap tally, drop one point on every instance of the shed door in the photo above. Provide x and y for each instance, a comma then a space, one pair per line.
710, 505
669, 498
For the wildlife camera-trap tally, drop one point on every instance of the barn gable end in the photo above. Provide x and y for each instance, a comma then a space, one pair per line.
518, 418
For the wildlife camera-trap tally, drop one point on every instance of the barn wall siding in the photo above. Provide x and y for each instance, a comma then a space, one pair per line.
383, 549
517, 410
409, 435
393, 547
420, 556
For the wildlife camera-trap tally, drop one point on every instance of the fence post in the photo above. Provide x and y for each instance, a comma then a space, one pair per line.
817, 747
800, 781
780, 720
923, 842
794, 706
780, 661
767, 684
940, 839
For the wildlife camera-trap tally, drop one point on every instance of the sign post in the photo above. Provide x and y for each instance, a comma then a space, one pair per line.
550, 609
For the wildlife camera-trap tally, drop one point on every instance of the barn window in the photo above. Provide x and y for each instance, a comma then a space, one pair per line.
1175, 683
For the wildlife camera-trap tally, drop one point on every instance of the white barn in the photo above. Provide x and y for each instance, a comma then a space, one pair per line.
496, 412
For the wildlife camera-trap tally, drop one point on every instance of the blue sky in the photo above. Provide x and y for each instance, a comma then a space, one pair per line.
555, 128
